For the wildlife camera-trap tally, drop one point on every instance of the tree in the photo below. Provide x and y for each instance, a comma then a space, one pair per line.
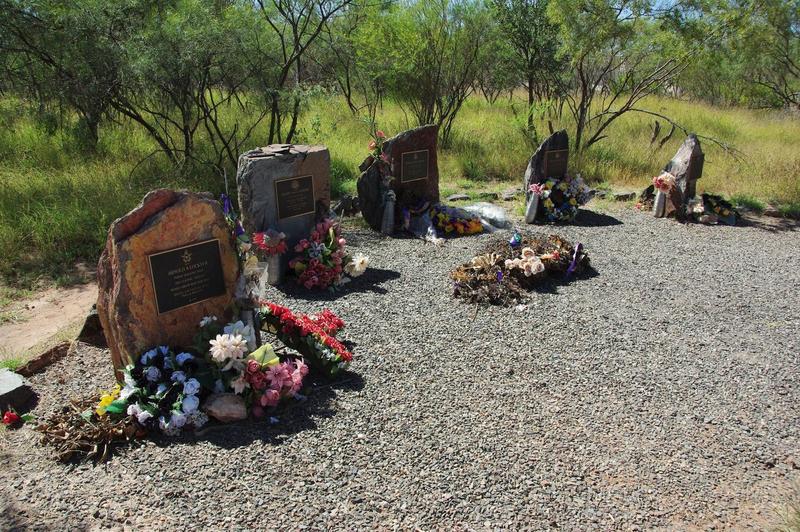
534, 40
281, 38
617, 52
438, 45
67, 53
772, 37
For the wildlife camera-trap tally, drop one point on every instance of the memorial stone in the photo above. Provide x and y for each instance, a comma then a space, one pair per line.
285, 187
167, 264
686, 167
409, 177
549, 160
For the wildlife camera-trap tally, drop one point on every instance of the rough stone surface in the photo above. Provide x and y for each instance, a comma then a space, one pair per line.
126, 303
624, 401
15, 392
458, 197
371, 194
371, 191
624, 196
511, 194
534, 173
687, 167
260, 168
225, 407
346, 206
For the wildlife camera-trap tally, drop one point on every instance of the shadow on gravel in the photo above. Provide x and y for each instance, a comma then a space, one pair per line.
594, 219
549, 285
370, 281
773, 225
293, 417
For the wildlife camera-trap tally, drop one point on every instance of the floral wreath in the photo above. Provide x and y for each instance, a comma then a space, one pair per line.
559, 199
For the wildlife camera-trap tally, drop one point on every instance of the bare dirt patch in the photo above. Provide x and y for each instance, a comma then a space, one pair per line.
42, 316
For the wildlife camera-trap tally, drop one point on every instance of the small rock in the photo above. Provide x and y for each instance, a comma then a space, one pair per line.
15, 392
458, 197
511, 194
771, 211
225, 407
624, 196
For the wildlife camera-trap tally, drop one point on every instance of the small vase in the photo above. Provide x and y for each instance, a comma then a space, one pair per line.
531, 209
387, 224
274, 270
659, 204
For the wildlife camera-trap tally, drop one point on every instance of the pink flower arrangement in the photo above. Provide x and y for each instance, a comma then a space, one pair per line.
376, 146
536, 188
322, 257
664, 182
271, 383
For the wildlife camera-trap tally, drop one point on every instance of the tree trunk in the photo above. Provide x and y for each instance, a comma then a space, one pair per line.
530, 101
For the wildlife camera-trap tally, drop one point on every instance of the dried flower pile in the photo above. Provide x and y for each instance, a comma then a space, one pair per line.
77, 430
506, 270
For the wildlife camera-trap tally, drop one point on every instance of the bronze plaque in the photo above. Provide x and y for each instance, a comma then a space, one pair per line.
696, 166
295, 196
187, 275
555, 163
414, 166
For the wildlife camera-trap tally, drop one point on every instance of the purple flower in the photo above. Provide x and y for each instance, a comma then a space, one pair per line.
239, 230
499, 276
227, 207
515, 240
574, 264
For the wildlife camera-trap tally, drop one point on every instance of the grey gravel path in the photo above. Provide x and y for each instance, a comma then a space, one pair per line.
662, 393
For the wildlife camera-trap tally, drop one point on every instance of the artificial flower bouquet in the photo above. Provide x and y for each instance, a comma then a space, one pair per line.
160, 391
454, 221
322, 261
269, 243
266, 379
664, 182
376, 145
314, 337
559, 199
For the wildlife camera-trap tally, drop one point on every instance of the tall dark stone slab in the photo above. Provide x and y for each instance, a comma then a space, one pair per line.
411, 173
687, 167
549, 160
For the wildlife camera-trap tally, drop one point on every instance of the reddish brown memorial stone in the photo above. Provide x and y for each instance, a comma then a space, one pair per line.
127, 304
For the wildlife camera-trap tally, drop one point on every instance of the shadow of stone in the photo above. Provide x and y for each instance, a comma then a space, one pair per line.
370, 281
587, 218
766, 223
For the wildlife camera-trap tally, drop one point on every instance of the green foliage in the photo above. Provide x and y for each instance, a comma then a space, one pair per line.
12, 363
742, 200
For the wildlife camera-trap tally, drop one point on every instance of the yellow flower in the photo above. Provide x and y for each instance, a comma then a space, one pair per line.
726, 212
548, 203
572, 201
563, 186
106, 399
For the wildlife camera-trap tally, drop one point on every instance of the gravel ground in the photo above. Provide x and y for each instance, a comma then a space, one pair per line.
660, 393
